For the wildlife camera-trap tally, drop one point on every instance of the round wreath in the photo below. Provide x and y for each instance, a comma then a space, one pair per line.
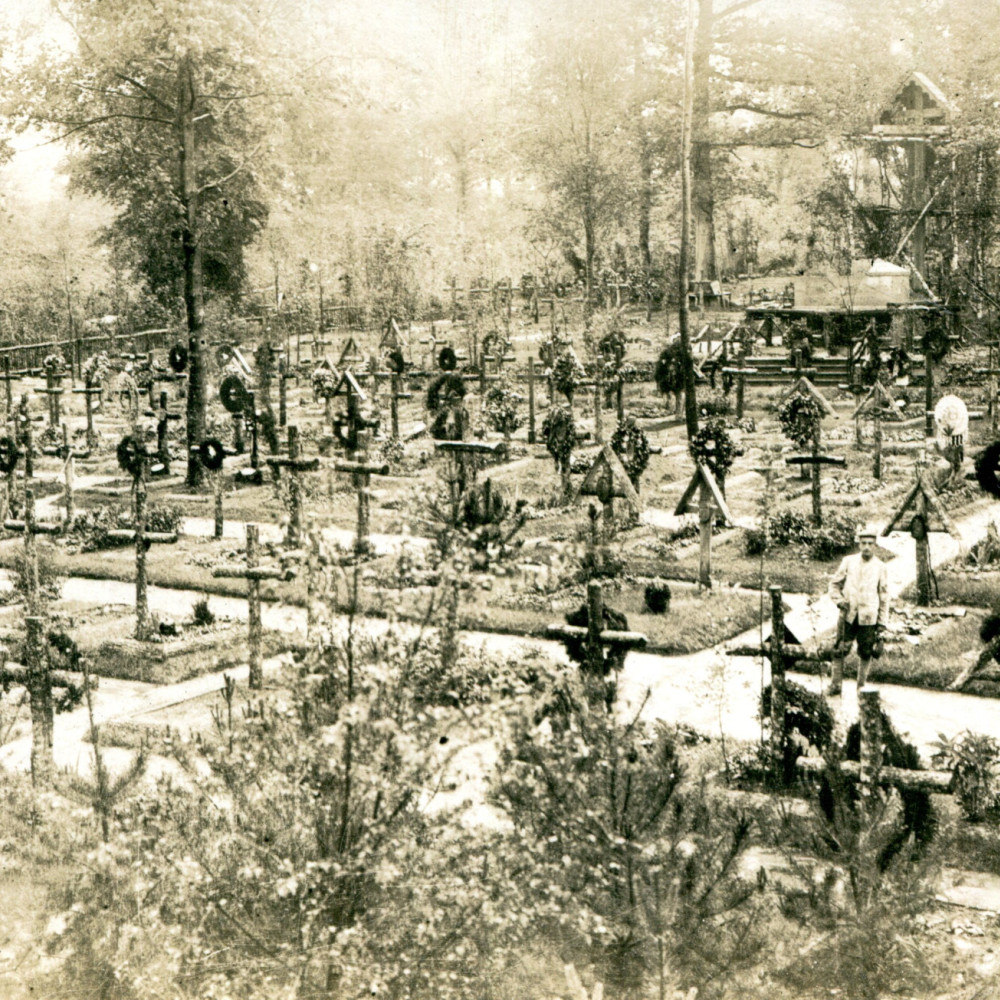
630, 443
798, 416
935, 343
560, 435
8, 454
714, 446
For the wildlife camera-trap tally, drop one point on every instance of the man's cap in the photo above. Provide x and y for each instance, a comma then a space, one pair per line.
868, 531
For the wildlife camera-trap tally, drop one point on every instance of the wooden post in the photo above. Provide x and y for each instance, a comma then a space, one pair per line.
598, 403
139, 527
394, 405
595, 625
68, 479
217, 493
254, 629
928, 395
532, 436
32, 584
39, 685
817, 503
8, 386
871, 741
282, 392
362, 543
924, 575
238, 445
877, 464
706, 515
777, 658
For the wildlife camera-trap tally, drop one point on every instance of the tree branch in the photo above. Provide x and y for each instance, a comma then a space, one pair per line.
735, 8
758, 109
232, 173
80, 126
155, 98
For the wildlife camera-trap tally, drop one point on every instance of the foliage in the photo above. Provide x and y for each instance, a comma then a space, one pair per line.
567, 373
91, 527
630, 443
799, 415
500, 407
50, 581
836, 537
324, 381
809, 724
625, 855
96, 369
201, 613
559, 434
714, 446
716, 405
974, 761
490, 521
656, 595
669, 371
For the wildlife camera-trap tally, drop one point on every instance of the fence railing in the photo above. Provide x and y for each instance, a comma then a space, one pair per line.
29, 357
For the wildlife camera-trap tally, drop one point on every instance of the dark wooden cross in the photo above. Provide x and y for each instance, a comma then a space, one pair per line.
782, 659
878, 403
8, 378
711, 503
454, 289
606, 479
362, 469
30, 528
466, 455
25, 438
38, 679
54, 391
596, 638
142, 539
296, 466
253, 573
163, 417
89, 392
815, 459
739, 372
928, 515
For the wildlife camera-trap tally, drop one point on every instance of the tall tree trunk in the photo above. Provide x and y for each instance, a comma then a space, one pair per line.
703, 197
645, 201
683, 266
194, 291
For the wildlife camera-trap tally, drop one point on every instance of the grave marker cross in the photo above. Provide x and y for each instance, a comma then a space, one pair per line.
710, 502
253, 573
296, 465
8, 378
739, 371
29, 527
362, 469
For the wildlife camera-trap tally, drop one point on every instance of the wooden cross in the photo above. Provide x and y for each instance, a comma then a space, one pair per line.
142, 539
253, 573
596, 638
29, 527
89, 392
68, 456
348, 386
54, 391
430, 342
351, 354
782, 659
454, 289
815, 460
296, 465
163, 417
739, 372
8, 378
532, 434
362, 469
929, 515
711, 503
465, 453
878, 403
38, 680
606, 479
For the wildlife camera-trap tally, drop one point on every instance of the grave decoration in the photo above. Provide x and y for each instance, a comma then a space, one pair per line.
631, 445
397, 365
296, 466
125, 394
356, 417
325, 379
253, 573
30, 528
492, 522
737, 373
801, 420
135, 460
606, 479
233, 396
879, 404
951, 426
559, 435
362, 469
446, 405
936, 342
163, 416
782, 658
25, 437
55, 372
500, 407
96, 371
465, 456
711, 505
39, 681
597, 638
9, 456
211, 453
928, 514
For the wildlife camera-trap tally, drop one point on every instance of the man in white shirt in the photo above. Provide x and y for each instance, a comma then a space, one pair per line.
861, 589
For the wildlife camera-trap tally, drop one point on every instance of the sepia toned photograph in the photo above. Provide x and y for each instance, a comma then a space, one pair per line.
499, 500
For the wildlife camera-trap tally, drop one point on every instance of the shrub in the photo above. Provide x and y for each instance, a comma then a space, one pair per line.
755, 541
809, 723
500, 408
788, 527
974, 761
567, 373
716, 405
834, 538
201, 613
91, 527
657, 596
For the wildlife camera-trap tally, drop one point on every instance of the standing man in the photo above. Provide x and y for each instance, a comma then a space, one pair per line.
861, 589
